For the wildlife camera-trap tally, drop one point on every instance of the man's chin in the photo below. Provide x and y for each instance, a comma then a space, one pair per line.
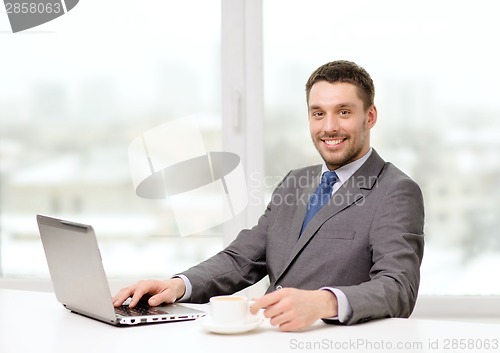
334, 163
335, 160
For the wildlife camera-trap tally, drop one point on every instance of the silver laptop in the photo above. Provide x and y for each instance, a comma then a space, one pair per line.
80, 283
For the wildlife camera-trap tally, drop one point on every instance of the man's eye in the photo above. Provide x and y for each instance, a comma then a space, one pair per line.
318, 114
344, 112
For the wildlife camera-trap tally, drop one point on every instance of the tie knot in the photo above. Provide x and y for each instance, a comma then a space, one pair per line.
329, 178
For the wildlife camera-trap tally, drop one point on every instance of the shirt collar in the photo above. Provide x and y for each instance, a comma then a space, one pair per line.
346, 171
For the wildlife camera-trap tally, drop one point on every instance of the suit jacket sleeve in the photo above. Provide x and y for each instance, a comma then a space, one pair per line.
241, 264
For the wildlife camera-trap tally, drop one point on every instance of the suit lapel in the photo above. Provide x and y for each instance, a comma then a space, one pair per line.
300, 211
352, 191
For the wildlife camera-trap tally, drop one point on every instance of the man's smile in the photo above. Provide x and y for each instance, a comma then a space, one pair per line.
333, 142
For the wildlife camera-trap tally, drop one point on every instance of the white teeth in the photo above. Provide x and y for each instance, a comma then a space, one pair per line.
332, 142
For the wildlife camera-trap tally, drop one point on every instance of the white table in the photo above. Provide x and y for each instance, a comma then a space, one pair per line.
36, 322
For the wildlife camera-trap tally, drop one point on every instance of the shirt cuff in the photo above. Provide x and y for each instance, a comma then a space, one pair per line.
189, 289
344, 308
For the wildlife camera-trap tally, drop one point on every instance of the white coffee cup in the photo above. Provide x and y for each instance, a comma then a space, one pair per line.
230, 309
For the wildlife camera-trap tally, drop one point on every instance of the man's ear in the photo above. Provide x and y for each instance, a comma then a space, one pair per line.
372, 116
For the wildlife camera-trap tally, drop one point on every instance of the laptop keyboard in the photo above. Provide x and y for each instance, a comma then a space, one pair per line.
124, 310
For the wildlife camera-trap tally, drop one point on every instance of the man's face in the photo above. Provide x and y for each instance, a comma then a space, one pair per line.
339, 125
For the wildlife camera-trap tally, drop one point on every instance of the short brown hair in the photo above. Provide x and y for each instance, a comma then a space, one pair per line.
344, 71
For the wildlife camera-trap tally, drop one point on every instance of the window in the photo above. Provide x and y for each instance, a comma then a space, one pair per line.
73, 96
435, 72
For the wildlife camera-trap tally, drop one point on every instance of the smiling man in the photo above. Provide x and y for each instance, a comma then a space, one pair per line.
340, 122
350, 254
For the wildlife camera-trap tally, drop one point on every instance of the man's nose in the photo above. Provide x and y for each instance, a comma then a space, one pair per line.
331, 124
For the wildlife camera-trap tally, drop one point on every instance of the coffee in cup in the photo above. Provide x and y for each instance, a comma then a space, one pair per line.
230, 309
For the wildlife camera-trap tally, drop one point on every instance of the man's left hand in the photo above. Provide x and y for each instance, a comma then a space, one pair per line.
295, 309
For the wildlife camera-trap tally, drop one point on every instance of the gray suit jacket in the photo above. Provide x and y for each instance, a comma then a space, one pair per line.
368, 242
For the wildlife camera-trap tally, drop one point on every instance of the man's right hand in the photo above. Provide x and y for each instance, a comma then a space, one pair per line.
160, 291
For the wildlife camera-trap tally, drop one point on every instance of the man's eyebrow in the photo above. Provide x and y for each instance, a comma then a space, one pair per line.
338, 106
314, 107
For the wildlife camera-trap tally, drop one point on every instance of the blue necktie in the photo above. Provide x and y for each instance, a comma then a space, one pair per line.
320, 196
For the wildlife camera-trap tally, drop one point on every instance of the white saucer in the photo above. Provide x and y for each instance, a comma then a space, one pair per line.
208, 324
